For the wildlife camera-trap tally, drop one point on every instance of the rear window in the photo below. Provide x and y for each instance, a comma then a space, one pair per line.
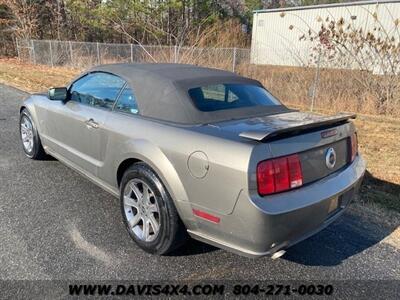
230, 95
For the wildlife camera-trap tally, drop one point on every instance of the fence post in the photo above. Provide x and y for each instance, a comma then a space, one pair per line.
16, 43
131, 53
316, 81
51, 54
33, 52
70, 53
234, 59
175, 54
98, 53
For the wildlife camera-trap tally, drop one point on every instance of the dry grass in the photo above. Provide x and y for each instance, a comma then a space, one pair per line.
379, 143
378, 135
339, 90
33, 78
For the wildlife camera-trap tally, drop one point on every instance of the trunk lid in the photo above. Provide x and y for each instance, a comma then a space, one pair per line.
309, 135
277, 126
313, 161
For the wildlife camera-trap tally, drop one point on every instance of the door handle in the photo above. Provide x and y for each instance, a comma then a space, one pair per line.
92, 123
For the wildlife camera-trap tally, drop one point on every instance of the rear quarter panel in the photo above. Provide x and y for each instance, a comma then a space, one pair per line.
167, 148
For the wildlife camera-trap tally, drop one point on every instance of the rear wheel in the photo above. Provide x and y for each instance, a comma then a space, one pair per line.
148, 211
29, 136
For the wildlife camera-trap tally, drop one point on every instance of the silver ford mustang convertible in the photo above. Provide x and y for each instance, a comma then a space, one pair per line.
198, 152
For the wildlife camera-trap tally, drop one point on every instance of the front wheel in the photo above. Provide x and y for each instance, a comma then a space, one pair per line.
29, 136
148, 211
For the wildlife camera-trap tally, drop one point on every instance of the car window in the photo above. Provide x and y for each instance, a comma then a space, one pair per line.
97, 89
127, 102
218, 92
230, 95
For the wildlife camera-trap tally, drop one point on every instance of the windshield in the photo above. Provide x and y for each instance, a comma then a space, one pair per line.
230, 95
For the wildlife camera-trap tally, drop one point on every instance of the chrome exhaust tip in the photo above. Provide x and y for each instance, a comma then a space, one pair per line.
278, 254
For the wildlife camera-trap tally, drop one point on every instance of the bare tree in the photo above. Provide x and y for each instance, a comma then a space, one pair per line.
25, 21
374, 53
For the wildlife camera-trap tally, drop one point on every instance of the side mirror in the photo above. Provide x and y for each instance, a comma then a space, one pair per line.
59, 93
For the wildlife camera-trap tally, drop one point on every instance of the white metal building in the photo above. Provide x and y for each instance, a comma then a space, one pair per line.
276, 32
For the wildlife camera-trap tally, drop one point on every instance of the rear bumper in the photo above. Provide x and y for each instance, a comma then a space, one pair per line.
260, 226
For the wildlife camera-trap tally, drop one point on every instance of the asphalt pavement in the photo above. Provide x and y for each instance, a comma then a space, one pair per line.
55, 224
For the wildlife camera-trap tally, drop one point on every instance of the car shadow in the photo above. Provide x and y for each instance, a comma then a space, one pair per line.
192, 247
351, 234
47, 157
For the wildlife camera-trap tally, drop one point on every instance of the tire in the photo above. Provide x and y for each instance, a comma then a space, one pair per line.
29, 136
171, 232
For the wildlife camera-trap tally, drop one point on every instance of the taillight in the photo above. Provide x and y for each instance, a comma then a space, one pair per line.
265, 177
296, 175
353, 146
279, 174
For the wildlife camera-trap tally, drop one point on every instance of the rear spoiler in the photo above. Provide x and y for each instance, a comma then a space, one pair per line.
301, 127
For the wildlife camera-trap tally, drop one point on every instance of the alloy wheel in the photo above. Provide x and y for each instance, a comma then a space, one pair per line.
27, 133
141, 210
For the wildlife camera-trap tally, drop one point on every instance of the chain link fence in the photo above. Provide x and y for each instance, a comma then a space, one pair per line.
85, 54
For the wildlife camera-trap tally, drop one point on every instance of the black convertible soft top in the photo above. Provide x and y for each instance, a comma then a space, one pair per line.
161, 91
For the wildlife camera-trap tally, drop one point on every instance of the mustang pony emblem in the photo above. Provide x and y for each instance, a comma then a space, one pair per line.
330, 158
